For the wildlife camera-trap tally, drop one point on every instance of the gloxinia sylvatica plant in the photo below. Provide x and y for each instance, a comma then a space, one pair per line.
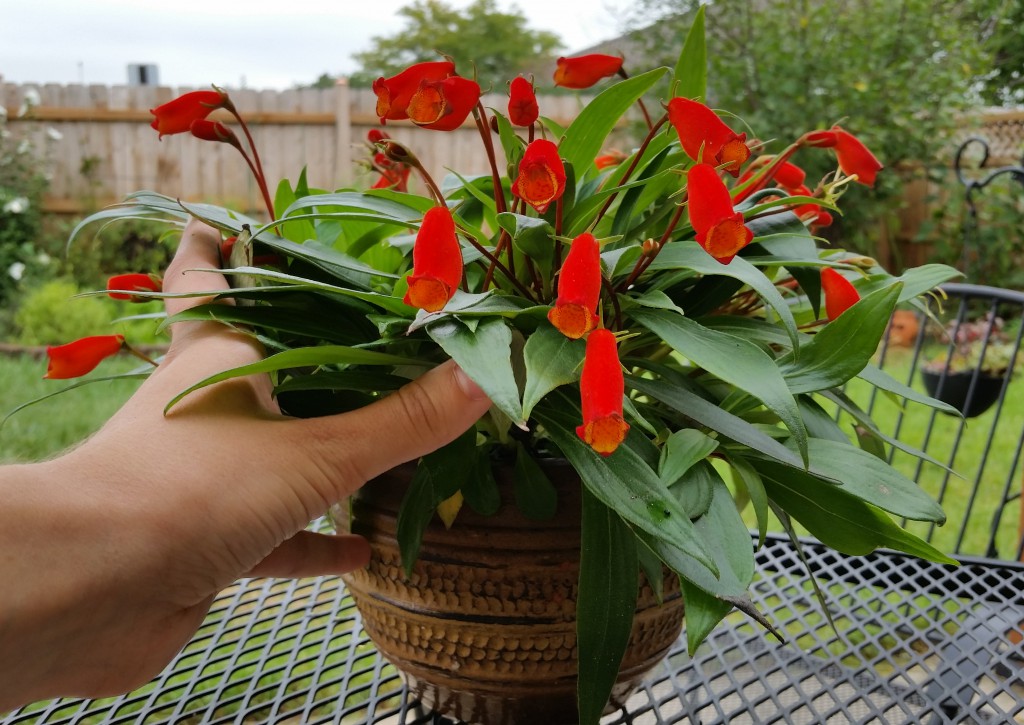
660, 313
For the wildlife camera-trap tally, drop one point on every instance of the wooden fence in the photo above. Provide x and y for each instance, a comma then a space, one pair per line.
100, 146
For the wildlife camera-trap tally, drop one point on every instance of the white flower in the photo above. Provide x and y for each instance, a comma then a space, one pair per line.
3, 113
24, 147
17, 205
16, 270
30, 101
43, 258
54, 134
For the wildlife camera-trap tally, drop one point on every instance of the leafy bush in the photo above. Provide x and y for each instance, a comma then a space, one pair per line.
22, 184
46, 316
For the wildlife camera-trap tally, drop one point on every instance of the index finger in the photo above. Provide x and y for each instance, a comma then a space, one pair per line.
198, 251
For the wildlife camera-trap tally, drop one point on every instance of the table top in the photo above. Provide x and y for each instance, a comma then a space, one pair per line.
913, 642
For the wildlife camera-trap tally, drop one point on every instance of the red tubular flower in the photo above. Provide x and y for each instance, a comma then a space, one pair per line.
601, 390
443, 105
394, 93
81, 356
790, 176
840, 294
392, 175
612, 158
585, 70
705, 137
854, 157
579, 289
541, 178
208, 130
522, 102
436, 262
720, 229
177, 116
134, 281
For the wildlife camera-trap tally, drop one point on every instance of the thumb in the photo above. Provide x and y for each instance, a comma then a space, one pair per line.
421, 417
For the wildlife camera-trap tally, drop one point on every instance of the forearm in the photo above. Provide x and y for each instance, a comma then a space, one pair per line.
36, 591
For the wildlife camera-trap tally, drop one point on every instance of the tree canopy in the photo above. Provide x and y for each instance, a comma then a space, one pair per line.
499, 44
897, 74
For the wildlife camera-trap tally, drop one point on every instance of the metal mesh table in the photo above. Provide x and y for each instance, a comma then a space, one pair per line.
913, 643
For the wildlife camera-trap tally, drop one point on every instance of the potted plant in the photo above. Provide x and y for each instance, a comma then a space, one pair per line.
660, 335
974, 367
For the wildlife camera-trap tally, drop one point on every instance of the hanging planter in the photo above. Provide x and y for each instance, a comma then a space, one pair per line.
970, 396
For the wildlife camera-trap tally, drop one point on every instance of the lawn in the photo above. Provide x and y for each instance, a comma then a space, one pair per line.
50, 426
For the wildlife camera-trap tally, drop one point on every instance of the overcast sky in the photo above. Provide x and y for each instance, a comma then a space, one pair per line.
256, 43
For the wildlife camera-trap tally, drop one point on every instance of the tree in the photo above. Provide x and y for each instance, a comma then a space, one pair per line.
499, 44
897, 74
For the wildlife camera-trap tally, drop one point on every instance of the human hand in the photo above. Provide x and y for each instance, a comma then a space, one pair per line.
115, 551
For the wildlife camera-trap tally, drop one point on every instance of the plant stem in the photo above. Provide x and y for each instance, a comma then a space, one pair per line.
496, 263
645, 261
632, 167
255, 164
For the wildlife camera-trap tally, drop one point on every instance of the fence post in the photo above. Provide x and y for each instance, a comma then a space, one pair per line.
342, 133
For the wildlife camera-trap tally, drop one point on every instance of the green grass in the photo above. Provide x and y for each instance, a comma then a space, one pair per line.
52, 425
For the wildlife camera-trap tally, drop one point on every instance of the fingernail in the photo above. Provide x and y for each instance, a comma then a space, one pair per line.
468, 386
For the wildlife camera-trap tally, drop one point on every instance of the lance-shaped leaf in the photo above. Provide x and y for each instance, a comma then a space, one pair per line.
732, 359
690, 78
605, 605
302, 357
552, 360
589, 131
623, 481
840, 520
689, 255
485, 354
708, 414
438, 477
843, 347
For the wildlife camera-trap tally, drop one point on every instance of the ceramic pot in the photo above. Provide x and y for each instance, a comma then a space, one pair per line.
484, 630
956, 386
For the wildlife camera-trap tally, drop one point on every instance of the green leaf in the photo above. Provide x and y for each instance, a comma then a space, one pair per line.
552, 360
532, 236
438, 476
708, 414
297, 231
693, 488
385, 302
683, 449
589, 130
883, 381
861, 474
840, 520
622, 481
301, 357
606, 604
691, 256
480, 489
690, 78
750, 480
730, 544
297, 320
731, 359
916, 281
486, 356
843, 347
535, 495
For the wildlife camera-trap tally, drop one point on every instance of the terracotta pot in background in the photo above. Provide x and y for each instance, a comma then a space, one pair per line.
485, 628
